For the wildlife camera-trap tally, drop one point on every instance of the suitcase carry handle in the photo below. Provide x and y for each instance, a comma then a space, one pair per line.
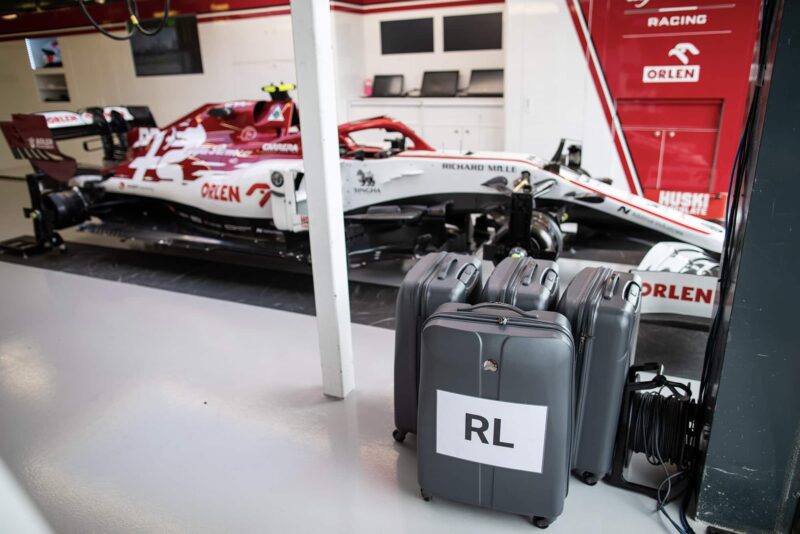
496, 306
446, 268
611, 285
529, 272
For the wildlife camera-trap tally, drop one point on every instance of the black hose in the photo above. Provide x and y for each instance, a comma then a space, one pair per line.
133, 16
102, 30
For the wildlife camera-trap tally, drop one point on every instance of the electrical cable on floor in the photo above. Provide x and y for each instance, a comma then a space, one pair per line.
660, 425
662, 501
687, 496
133, 19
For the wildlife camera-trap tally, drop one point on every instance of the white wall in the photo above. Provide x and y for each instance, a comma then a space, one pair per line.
348, 53
413, 65
549, 93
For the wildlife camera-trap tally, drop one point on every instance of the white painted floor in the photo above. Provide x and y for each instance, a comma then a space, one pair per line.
129, 409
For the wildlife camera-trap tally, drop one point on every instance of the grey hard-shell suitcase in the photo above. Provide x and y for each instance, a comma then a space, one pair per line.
527, 283
435, 279
496, 408
603, 307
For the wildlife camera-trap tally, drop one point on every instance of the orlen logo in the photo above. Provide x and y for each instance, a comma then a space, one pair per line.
691, 203
57, 119
263, 189
221, 192
675, 292
683, 73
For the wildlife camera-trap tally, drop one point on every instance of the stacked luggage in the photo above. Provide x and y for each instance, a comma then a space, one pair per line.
511, 388
436, 279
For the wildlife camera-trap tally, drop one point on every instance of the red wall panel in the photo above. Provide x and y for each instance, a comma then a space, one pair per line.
678, 72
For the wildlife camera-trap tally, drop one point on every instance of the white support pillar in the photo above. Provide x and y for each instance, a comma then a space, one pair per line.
313, 59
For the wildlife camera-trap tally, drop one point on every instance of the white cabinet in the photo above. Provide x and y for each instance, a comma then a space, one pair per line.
446, 123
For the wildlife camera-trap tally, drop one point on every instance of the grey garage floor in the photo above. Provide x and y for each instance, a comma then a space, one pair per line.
131, 409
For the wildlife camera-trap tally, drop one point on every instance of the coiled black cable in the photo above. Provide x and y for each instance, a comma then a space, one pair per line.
661, 428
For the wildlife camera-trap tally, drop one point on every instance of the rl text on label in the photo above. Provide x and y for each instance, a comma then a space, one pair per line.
502, 434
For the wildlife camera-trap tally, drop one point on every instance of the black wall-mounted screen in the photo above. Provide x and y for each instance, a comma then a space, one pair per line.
173, 50
473, 32
406, 36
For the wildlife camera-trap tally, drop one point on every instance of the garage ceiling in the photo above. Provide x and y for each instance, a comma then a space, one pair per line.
21, 6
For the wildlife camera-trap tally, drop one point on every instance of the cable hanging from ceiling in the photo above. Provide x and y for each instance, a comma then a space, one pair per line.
133, 19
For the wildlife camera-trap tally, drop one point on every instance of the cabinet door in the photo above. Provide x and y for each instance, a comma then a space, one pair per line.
673, 142
646, 146
490, 138
443, 137
688, 160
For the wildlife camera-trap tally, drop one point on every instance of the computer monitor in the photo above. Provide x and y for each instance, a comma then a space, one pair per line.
486, 82
387, 85
439, 83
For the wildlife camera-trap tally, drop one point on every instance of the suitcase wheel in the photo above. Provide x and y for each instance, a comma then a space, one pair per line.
541, 522
590, 479
425, 496
399, 436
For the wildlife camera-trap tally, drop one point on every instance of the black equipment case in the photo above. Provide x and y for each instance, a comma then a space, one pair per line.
496, 408
527, 283
436, 279
603, 307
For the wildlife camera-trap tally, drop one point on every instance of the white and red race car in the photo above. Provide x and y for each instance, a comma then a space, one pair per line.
231, 176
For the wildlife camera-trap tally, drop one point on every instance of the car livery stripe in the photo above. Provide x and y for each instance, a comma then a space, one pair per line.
604, 94
573, 182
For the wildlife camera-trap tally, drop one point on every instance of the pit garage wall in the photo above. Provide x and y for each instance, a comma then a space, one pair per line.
239, 57
655, 89
242, 50
412, 66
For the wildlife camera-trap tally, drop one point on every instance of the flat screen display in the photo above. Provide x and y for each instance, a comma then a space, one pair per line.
485, 82
441, 83
387, 85
473, 32
173, 50
406, 36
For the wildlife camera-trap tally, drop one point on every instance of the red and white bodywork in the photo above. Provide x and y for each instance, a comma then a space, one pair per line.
241, 159
241, 163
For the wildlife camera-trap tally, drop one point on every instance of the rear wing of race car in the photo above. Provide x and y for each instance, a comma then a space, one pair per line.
33, 136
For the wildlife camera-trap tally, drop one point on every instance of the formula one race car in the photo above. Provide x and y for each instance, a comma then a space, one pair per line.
229, 177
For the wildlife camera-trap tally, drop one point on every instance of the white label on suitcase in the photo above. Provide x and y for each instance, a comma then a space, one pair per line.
503, 434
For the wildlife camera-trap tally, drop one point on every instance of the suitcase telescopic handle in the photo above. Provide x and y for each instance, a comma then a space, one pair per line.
495, 306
